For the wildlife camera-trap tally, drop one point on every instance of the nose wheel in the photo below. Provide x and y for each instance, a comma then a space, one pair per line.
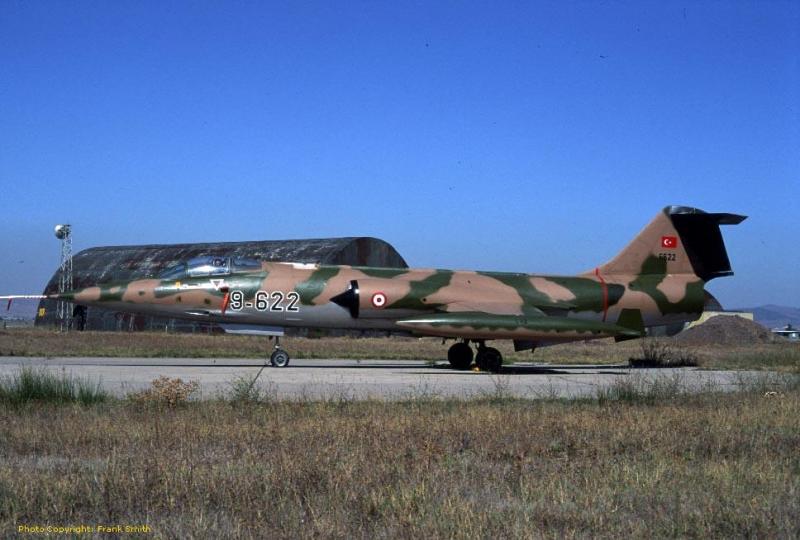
279, 357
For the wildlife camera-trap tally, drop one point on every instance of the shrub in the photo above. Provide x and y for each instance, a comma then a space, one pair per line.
166, 391
660, 353
244, 390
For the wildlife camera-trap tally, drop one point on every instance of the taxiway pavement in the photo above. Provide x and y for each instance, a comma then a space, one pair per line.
381, 379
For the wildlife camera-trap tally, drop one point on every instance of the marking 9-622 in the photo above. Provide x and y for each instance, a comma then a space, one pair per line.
266, 301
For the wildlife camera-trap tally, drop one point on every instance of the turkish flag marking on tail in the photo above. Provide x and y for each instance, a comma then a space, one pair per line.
670, 242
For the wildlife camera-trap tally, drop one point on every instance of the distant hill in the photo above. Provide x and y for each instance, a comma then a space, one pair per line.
773, 316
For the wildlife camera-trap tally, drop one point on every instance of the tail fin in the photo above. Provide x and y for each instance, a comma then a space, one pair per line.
687, 239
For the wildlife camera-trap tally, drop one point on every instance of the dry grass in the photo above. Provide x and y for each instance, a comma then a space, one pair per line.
48, 343
769, 356
703, 466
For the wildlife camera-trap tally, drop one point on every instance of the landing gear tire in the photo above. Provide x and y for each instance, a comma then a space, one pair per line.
279, 358
489, 359
460, 356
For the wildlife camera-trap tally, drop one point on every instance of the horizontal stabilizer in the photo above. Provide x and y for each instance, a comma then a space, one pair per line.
702, 240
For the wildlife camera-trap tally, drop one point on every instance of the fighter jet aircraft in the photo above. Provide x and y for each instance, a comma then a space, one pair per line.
657, 280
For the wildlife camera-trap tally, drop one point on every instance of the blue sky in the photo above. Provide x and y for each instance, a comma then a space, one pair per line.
536, 137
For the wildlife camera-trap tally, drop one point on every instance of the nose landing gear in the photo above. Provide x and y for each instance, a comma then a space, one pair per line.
279, 357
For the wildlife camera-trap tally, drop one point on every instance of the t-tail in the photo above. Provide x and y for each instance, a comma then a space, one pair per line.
679, 240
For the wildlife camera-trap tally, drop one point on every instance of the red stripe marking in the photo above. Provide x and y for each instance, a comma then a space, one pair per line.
225, 302
605, 293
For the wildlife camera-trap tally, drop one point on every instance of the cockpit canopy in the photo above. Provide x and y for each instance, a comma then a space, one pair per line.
210, 266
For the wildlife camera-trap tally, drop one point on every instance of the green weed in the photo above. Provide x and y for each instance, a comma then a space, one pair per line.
41, 385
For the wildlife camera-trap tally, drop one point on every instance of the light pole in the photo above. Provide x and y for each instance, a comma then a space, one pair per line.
64, 310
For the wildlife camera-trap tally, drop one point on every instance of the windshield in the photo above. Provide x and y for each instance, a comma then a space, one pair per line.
174, 272
210, 266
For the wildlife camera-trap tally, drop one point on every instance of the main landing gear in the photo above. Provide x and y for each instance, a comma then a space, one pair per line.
460, 356
279, 357
487, 358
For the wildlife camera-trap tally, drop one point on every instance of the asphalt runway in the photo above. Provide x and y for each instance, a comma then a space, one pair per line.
381, 379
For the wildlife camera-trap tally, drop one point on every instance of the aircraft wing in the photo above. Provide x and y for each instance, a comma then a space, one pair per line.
481, 325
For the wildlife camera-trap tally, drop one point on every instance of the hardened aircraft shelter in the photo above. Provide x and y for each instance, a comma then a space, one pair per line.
108, 264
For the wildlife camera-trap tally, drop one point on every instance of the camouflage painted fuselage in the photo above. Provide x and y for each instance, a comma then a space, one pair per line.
656, 280
388, 299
